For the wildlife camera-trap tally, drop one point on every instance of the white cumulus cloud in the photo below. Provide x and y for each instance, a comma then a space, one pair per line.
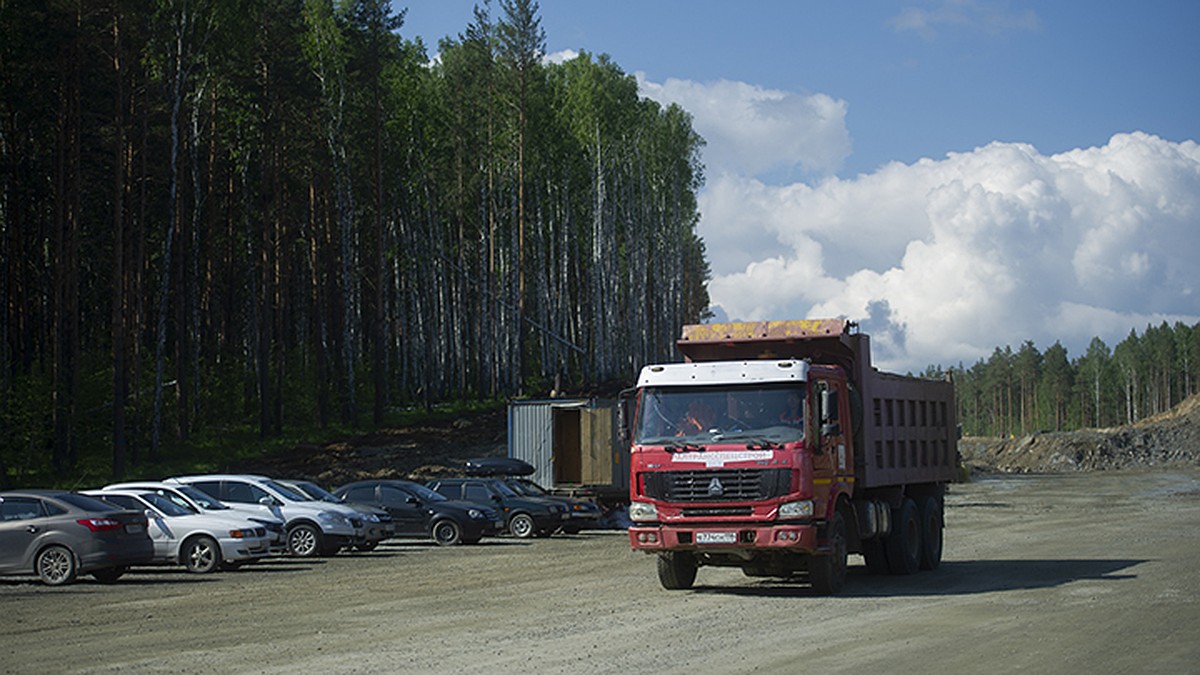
751, 130
944, 260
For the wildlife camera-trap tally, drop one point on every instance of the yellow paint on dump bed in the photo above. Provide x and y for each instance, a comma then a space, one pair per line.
756, 330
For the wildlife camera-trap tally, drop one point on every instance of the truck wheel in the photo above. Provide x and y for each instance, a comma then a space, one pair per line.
931, 533
874, 553
677, 571
829, 571
904, 543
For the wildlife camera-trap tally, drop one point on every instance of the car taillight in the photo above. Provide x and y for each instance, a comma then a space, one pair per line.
99, 524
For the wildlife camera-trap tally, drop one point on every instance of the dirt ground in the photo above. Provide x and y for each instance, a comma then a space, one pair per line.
1074, 572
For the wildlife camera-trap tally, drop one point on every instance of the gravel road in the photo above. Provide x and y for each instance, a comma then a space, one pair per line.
1087, 572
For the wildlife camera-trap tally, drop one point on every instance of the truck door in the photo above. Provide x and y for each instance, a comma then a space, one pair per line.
829, 457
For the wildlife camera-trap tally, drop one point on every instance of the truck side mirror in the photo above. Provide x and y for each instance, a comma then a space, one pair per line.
625, 402
829, 413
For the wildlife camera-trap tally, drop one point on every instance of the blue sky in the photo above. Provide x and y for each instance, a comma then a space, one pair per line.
955, 174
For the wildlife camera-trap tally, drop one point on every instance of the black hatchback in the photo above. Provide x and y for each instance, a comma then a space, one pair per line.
523, 516
418, 511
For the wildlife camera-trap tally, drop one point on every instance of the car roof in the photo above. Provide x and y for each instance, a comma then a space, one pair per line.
35, 492
223, 476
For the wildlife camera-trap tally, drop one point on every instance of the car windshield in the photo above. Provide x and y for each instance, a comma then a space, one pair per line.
530, 487
287, 492
423, 493
166, 506
85, 502
754, 414
520, 488
314, 491
202, 498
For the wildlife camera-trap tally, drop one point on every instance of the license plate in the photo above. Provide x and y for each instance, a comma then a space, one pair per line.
716, 537
133, 528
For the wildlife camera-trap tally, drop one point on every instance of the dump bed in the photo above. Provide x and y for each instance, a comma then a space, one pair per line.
904, 428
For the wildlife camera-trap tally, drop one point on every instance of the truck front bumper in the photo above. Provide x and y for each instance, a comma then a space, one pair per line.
723, 537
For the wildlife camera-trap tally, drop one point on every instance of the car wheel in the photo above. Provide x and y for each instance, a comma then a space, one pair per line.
521, 526
304, 541
109, 575
201, 555
446, 533
931, 533
56, 565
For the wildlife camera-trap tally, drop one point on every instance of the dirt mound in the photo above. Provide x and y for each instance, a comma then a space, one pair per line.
1168, 439
417, 453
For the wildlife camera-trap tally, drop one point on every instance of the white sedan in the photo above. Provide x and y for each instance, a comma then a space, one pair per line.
199, 541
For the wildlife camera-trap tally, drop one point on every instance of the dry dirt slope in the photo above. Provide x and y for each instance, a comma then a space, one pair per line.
1169, 439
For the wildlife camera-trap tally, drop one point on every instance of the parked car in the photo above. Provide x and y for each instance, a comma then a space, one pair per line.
188, 496
581, 513
59, 535
313, 528
523, 516
184, 536
421, 512
379, 523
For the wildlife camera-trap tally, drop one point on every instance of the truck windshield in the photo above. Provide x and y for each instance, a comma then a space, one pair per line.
754, 414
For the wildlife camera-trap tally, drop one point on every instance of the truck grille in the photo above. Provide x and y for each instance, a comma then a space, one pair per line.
718, 485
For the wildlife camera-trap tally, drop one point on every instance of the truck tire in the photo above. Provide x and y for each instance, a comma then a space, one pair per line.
828, 572
904, 543
874, 553
932, 527
677, 571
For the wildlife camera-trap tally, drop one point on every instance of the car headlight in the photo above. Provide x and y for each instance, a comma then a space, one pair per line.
334, 518
371, 518
642, 512
475, 514
801, 509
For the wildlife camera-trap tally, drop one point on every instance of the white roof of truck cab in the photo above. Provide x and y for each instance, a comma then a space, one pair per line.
723, 372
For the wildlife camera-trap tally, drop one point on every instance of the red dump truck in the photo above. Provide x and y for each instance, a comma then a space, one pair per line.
776, 447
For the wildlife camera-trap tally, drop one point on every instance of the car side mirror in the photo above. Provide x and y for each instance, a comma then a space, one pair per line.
413, 500
267, 501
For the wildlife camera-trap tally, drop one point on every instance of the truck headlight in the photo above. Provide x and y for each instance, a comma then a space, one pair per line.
641, 512
801, 509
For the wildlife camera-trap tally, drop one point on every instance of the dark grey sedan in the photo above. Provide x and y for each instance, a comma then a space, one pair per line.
59, 535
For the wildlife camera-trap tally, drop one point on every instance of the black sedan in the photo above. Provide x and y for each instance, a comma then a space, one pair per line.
524, 516
418, 511
581, 513
59, 535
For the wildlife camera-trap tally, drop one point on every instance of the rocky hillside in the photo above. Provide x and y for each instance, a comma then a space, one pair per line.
1169, 439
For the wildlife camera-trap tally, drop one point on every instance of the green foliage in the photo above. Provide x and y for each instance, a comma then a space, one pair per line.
310, 216
1015, 394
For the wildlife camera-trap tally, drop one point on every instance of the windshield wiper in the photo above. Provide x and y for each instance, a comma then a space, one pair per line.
683, 446
763, 444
